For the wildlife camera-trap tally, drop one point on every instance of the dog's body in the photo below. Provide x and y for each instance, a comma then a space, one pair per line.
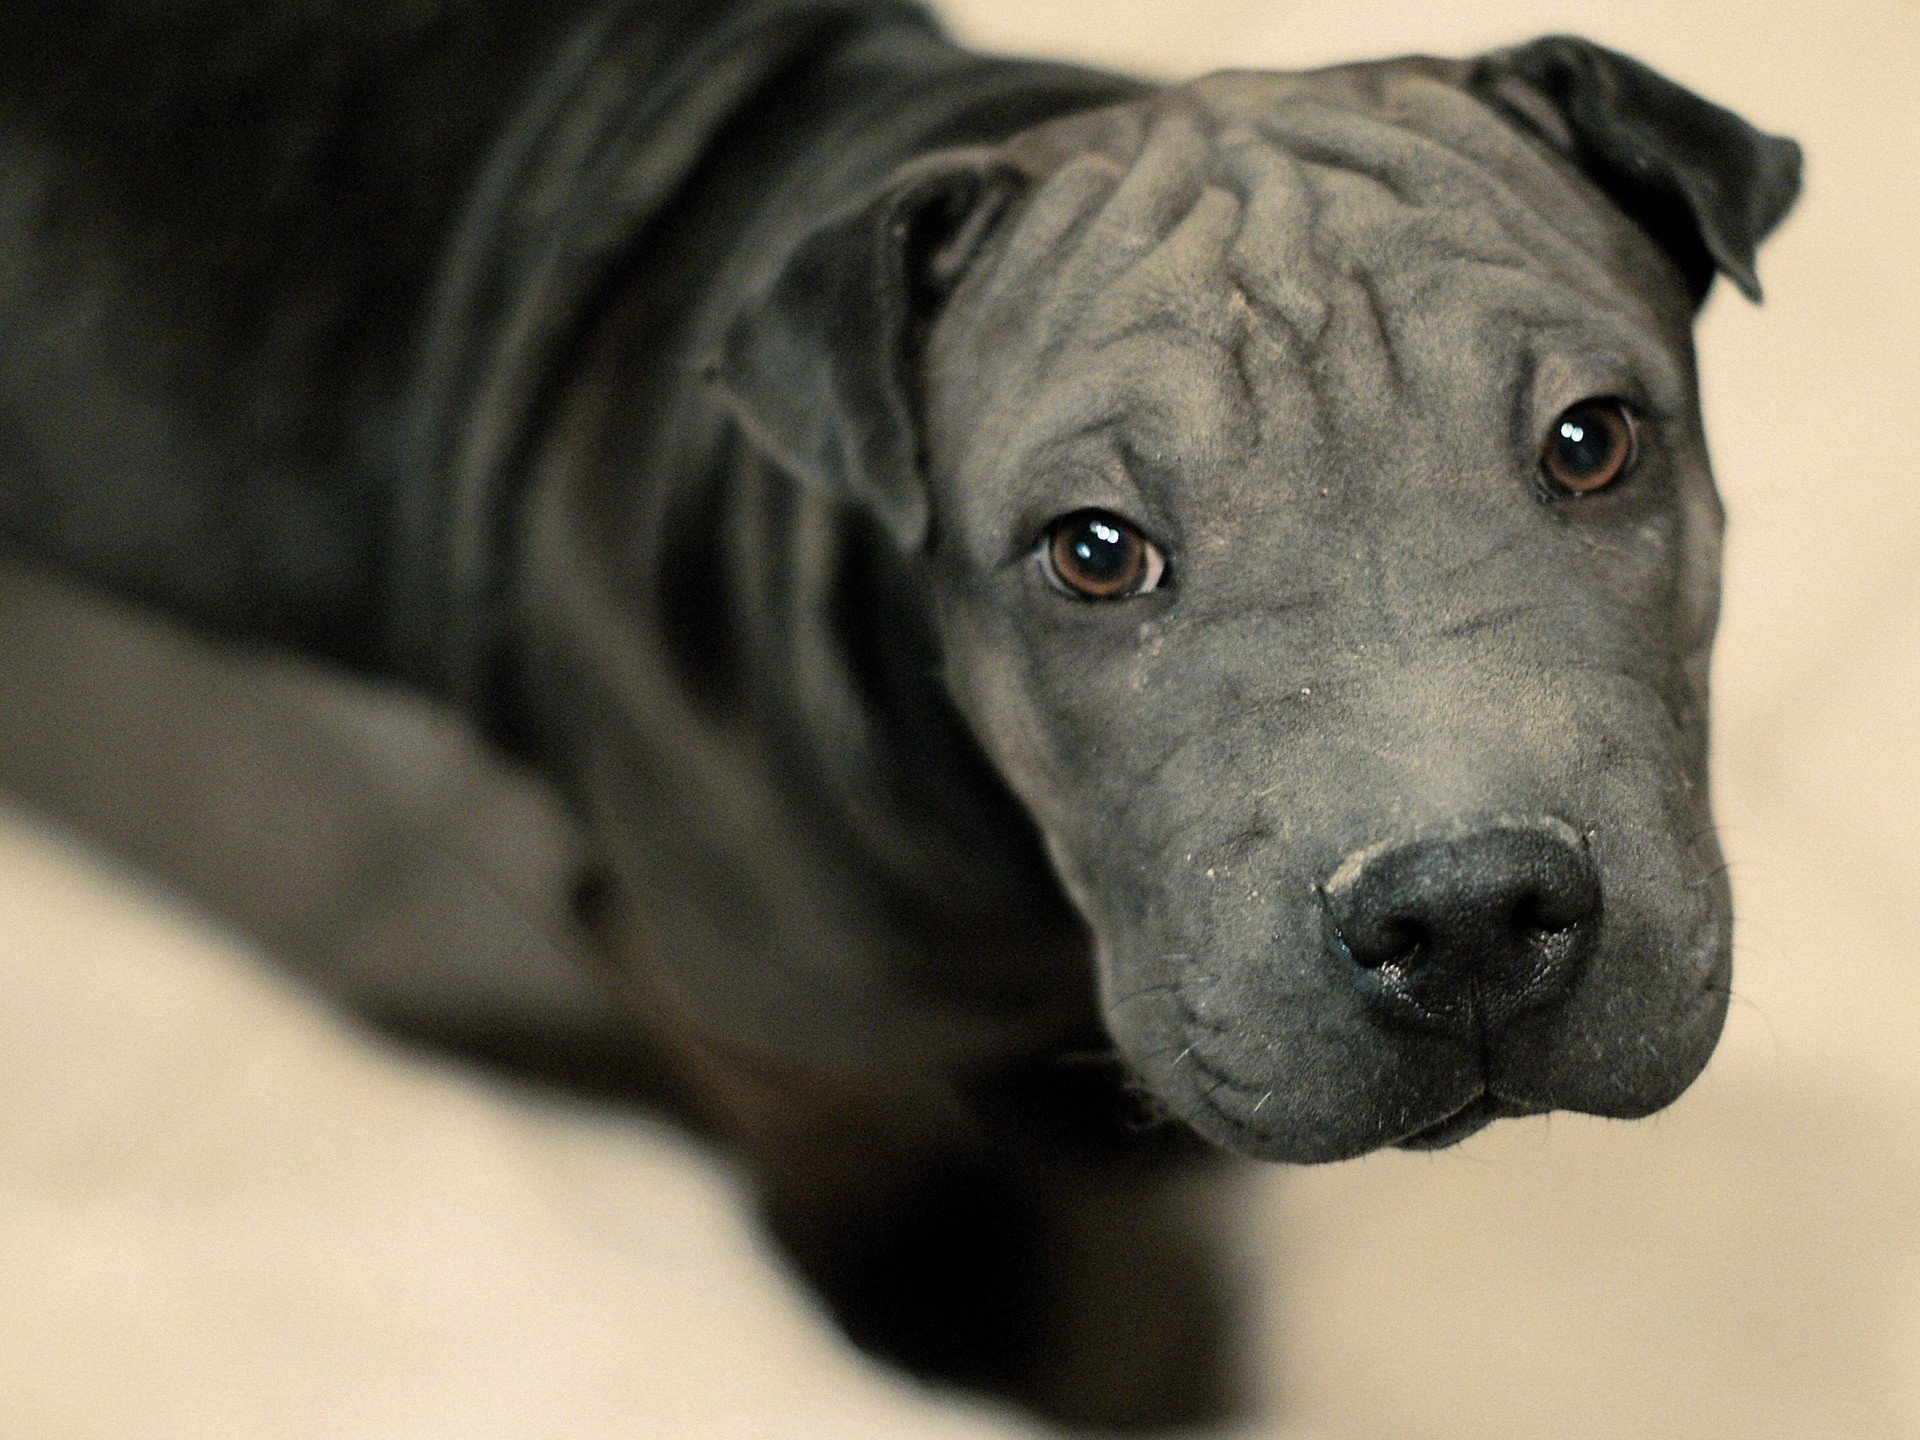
654, 382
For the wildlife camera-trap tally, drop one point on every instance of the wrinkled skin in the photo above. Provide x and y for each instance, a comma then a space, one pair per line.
1309, 334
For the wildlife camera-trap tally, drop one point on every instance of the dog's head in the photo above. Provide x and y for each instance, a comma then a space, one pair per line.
1309, 478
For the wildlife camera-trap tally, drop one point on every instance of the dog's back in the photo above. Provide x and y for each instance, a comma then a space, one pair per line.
218, 225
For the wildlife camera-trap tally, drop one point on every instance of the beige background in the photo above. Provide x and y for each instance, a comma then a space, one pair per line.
223, 1213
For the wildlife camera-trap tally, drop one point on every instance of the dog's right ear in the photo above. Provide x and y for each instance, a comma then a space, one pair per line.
1706, 185
821, 366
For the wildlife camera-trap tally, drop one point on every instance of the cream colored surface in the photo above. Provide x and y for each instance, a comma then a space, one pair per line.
223, 1215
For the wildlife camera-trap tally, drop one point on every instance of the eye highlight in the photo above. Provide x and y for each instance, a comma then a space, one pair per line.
1592, 445
1095, 555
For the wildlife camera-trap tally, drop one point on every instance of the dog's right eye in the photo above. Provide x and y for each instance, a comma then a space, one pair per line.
1095, 555
1593, 445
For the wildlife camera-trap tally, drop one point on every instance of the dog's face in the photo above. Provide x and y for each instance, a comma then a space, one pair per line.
1324, 550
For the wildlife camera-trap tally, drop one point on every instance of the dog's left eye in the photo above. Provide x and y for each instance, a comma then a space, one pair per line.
1095, 555
1592, 445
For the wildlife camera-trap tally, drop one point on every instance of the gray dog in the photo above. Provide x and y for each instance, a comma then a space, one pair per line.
1057, 601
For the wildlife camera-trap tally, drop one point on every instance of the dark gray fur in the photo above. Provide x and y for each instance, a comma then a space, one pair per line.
682, 390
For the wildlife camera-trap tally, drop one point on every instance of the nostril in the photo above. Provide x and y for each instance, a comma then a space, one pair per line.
1373, 937
1407, 935
1563, 895
1531, 915
1393, 942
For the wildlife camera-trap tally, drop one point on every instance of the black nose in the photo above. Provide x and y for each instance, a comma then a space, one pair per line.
1468, 928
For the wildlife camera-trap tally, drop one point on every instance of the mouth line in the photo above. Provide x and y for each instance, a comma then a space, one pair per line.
1238, 1104
1452, 1128
1469, 1119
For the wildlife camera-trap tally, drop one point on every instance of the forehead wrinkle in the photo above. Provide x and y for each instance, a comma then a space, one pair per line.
1162, 183
1241, 228
1180, 282
1332, 230
1188, 284
1008, 301
1279, 218
1450, 116
1174, 288
1459, 197
1163, 393
1413, 167
1045, 229
1293, 277
1357, 277
1086, 226
1313, 220
1182, 288
1546, 185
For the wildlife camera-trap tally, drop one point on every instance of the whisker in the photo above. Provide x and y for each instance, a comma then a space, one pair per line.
1725, 867
1164, 1050
1734, 997
1146, 990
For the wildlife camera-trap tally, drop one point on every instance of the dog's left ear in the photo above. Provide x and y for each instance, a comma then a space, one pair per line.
821, 367
1705, 184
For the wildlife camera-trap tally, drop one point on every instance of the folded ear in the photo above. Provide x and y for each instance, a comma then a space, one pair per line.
821, 366
1706, 185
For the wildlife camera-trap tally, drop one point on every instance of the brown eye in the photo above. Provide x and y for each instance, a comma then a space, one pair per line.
1094, 555
1591, 446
